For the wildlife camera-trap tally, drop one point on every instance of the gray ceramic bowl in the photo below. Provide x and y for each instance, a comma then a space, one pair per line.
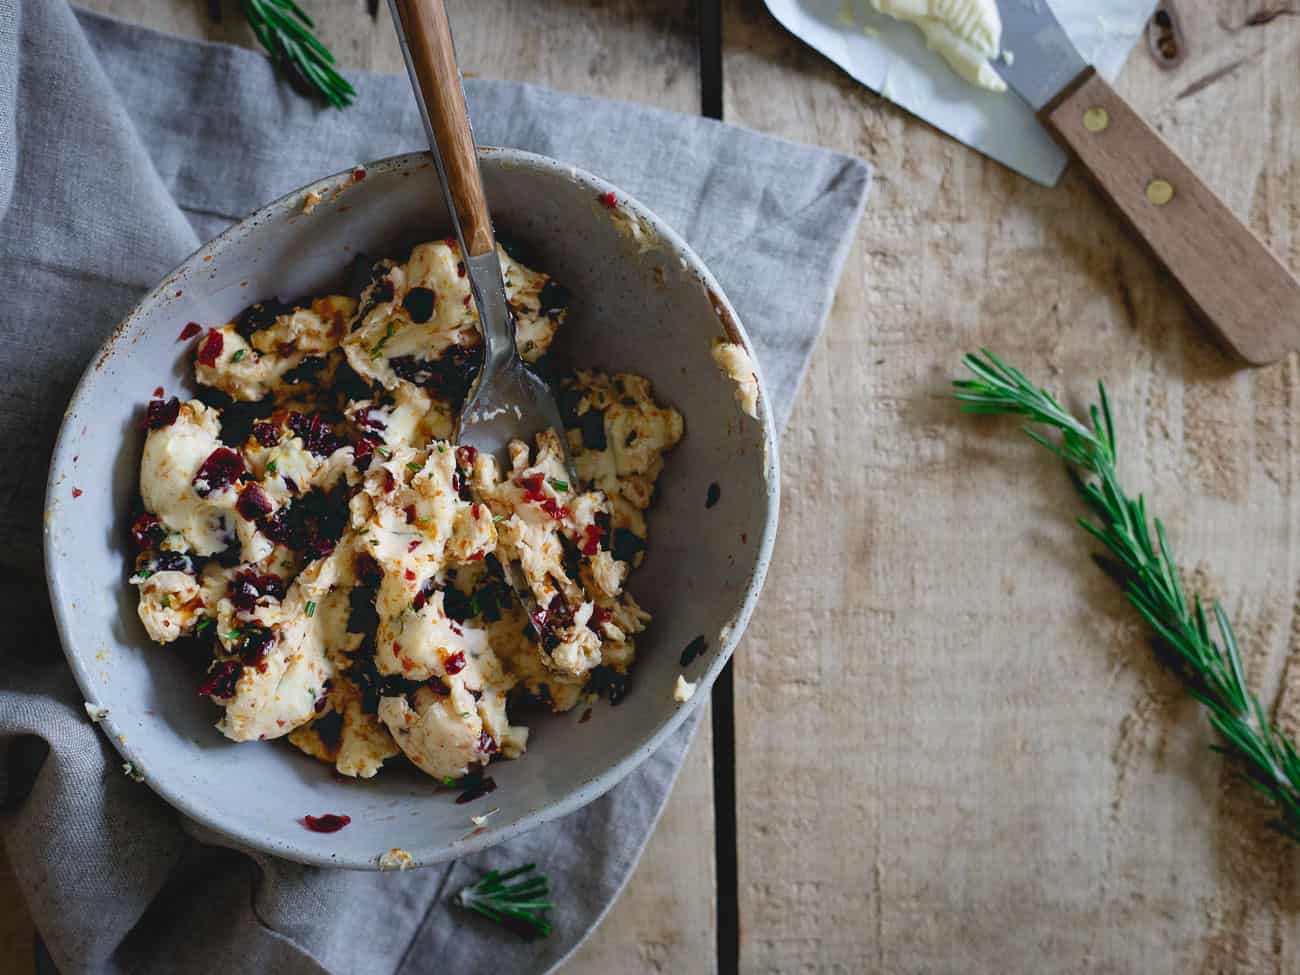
645, 305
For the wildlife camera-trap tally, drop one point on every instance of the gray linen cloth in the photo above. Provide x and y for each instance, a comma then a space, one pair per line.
120, 150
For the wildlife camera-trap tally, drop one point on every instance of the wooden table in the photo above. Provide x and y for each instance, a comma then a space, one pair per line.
952, 749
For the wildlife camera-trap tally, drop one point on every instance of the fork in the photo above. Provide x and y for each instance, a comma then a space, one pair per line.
508, 400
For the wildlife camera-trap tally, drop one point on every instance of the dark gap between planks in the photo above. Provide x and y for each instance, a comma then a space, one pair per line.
723, 699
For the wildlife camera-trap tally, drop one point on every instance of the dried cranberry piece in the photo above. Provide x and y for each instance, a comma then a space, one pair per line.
532, 485
267, 433
448, 377
253, 503
456, 605
363, 454
279, 527
455, 663
163, 413
608, 200
190, 330
221, 680
419, 304
171, 562
329, 823
260, 315
222, 467
368, 419
254, 642
476, 787
591, 536
249, 586
486, 743
210, 348
599, 616
316, 434
147, 531
367, 570
465, 457
424, 595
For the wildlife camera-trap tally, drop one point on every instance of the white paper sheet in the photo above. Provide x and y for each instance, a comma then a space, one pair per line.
891, 58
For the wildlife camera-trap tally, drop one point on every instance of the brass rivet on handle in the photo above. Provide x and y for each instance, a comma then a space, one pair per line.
1096, 119
1160, 192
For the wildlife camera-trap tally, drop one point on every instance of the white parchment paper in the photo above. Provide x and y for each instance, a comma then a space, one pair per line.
891, 58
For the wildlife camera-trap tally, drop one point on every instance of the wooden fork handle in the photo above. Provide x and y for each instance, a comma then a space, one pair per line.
1235, 281
432, 62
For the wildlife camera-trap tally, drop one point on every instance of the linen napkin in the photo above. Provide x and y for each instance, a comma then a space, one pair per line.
120, 150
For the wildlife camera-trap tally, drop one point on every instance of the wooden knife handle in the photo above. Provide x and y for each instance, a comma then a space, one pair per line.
433, 61
1229, 274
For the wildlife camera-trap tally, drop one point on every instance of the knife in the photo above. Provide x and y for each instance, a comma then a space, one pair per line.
1231, 277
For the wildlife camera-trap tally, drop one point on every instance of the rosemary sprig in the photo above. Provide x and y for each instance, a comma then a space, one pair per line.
1210, 667
285, 30
518, 905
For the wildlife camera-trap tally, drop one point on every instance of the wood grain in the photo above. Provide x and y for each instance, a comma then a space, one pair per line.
954, 751
665, 919
433, 63
1239, 286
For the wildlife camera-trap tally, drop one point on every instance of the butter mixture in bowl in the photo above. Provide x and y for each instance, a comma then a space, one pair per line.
310, 520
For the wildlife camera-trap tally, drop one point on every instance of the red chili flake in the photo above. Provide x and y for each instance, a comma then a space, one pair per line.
413, 546
410, 575
158, 392
609, 200
178, 294
359, 174
456, 629
76, 492
477, 556
329, 823
586, 716
591, 536
397, 649
554, 509
190, 330
486, 743
474, 510
210, 349
460, 269
455, 663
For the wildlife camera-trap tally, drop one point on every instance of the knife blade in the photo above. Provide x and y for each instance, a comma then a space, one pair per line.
1245, 292
1043, 58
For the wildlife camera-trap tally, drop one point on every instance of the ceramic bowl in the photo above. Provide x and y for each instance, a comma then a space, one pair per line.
642, 302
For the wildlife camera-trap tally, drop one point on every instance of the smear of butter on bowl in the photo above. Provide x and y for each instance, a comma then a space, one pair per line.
965, 33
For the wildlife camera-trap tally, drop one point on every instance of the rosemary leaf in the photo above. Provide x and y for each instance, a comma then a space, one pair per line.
1210, 667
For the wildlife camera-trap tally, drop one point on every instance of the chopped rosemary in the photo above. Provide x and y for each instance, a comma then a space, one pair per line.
519, 906
273, 468
311, 608
497, 518
205, 624
1211, 668
234, 635
442, 448
238, 354
379, 346
559, 485
384, 452
414, 468
286, 32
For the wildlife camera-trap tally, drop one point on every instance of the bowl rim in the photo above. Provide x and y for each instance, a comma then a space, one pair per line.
309, 852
